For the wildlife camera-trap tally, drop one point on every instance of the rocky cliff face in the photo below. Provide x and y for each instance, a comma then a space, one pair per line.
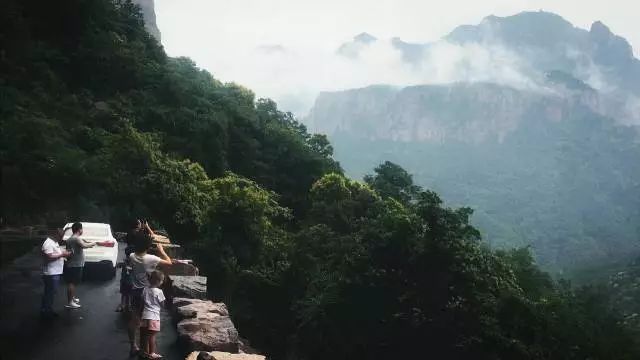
147, 7
422, 113
464, 112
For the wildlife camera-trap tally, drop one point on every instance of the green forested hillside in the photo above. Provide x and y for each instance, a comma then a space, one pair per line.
544, 171
97, 123
77, 76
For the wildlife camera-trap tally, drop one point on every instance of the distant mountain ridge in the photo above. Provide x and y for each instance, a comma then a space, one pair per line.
547, 40
564, 46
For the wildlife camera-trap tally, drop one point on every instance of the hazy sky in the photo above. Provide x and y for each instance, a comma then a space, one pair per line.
221, 35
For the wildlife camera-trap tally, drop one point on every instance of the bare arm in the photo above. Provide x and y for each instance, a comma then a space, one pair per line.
146, 226
85, 244
164, 258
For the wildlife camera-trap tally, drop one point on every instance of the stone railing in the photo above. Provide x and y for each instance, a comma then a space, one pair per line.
205, 329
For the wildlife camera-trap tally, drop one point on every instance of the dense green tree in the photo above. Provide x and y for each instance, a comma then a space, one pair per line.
393, 181
244, 229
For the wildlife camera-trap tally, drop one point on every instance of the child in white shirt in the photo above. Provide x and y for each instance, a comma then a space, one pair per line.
153, 298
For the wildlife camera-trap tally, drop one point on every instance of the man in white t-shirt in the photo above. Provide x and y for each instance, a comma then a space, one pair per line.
52, 266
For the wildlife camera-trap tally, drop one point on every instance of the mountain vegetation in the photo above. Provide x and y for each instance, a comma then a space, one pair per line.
97, 123
564, 185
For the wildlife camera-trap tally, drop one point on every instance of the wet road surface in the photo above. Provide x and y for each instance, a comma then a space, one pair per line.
95, 331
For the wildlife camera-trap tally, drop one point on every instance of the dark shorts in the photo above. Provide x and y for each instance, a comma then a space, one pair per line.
72, 275
125, 287
126, 282
137, 302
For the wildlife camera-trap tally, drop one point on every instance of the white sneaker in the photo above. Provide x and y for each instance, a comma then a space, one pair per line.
76, 300
73, 305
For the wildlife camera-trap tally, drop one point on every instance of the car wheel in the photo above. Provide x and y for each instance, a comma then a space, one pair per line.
106, 271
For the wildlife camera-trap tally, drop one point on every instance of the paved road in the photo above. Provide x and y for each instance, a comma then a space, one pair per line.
94, 332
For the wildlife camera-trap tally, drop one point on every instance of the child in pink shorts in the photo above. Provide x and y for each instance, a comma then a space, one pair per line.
153, 298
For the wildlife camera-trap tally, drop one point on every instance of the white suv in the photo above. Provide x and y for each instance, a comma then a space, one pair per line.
105, 253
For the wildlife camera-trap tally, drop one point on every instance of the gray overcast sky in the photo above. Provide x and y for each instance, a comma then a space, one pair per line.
188, 25
219, 35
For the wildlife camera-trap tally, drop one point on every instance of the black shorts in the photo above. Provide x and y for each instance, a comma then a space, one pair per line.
137, 302
72, 274
125, 287
126, 282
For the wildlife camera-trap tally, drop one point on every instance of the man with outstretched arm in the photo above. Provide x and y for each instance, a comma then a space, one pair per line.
75, 264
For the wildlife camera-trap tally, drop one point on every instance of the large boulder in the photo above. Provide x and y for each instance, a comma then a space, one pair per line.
212, 332
194, 287
182, 269
217, 355
174, 251
205, 326
185, 308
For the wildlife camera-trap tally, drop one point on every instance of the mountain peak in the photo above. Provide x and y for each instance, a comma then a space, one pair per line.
601, 29
537, 26
540, 15
609, 49
352, 48
365, 38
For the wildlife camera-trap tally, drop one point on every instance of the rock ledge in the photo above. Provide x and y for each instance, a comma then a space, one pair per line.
205, 326
194, 287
